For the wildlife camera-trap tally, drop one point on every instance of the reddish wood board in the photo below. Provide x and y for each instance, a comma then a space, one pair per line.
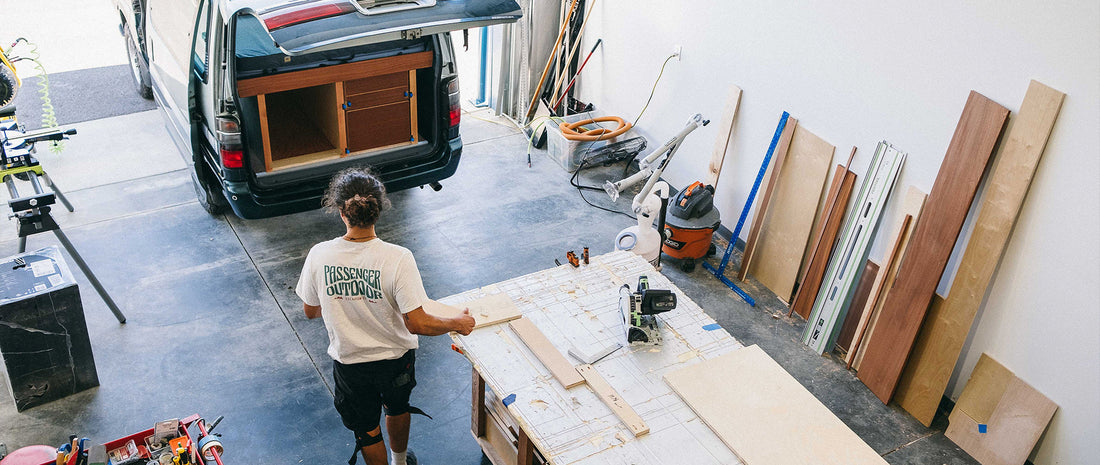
934, 236
803, 302
859, 301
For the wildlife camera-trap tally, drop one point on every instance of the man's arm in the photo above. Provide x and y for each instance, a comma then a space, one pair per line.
420, 322
312, 311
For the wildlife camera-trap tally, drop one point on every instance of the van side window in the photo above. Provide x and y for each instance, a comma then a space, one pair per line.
200, 57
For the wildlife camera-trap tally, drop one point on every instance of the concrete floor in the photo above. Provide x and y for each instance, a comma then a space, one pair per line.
214, 326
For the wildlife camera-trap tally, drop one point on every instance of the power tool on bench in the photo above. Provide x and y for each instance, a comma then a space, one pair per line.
640, 309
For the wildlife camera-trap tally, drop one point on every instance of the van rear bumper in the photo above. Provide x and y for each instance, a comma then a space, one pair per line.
250, 202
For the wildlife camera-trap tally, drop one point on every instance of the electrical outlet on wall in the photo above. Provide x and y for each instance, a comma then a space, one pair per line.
678, 52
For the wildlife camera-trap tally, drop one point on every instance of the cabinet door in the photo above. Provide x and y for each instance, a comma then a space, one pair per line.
379, 126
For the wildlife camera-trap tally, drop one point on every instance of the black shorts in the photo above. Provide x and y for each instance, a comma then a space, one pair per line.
364, 389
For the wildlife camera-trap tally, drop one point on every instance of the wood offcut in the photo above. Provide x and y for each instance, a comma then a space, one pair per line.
725, 135
489, 310
945, 328
609, 396
933, 238
999, 418
550, 356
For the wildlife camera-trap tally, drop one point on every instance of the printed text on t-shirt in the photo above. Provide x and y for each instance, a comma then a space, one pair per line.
349, 281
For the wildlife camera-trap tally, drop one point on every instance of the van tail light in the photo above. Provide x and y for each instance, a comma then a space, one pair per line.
229, 142
454, 107
295, 14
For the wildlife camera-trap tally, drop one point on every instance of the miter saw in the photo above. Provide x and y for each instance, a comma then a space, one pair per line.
640, 309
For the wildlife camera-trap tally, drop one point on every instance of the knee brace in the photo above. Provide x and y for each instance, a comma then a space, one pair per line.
363, 440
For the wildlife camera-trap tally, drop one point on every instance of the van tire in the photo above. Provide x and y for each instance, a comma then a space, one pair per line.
210, 198
139, 70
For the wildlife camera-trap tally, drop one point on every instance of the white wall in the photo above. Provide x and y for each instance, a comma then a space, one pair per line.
860, 71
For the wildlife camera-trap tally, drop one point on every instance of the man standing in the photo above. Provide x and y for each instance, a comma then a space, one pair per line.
370, 296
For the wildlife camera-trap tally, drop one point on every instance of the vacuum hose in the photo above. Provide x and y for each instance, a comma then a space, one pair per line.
569, 130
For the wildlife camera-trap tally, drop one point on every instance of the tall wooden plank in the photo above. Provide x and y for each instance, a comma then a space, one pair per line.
762, 208
803, 301
786, 230
941, 339
975, 137
766, 417
549, 355
859, 303
725, 135
910, 212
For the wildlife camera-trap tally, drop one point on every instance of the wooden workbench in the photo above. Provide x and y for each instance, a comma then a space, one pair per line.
578, 307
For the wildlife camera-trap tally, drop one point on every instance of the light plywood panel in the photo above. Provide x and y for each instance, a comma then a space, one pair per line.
768, 187
1017, 416
910, 211
933, 238
941, 339
790, 215
489, 310
549, 355
725, 135
764, 415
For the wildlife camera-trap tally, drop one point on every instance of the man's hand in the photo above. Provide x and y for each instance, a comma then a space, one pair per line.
464, 323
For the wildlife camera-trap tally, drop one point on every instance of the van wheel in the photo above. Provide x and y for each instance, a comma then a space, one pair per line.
210, 197
139, 71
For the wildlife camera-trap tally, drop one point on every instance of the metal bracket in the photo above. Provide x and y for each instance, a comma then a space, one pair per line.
411, 34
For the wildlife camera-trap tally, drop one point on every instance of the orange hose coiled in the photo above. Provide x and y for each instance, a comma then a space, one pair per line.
569, 130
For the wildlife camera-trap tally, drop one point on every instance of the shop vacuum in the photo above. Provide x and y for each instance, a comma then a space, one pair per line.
690, 225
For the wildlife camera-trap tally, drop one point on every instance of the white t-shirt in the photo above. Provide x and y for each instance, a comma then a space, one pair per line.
363, 289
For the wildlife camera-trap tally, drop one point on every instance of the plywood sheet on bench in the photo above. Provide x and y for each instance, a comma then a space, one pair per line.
933, 238
941, 338
790, 215
489, 310
1014, 414
763, 414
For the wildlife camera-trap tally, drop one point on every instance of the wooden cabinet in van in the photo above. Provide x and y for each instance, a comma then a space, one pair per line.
336, 111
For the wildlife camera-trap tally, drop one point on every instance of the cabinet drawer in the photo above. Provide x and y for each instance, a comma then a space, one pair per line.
379, 126
378, 97
373, 83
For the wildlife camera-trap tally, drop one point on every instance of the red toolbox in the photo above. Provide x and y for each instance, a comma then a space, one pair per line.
205, 450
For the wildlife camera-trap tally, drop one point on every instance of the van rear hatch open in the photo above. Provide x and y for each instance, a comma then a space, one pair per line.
322, 84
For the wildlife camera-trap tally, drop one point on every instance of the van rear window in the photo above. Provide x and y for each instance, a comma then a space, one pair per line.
257, 54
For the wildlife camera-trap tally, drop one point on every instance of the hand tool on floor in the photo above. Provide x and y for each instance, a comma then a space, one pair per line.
640, 309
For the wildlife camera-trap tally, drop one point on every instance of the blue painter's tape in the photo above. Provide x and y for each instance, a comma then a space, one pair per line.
712, 327
982, 428
508, 400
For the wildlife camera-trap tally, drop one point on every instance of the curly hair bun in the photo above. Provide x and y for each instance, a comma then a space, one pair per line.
358, 195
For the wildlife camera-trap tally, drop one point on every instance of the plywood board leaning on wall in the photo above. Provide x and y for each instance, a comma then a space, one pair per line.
768, 186
821, 247
999, 418
910, 212
933, 238
790, 217
945, 329
725, 135
766, 417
